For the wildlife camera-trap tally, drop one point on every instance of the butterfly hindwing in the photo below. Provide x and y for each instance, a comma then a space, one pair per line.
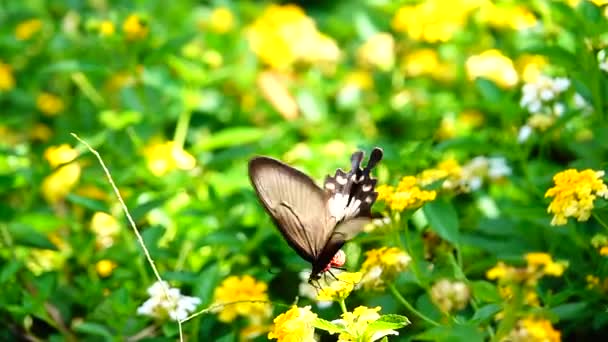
295, 203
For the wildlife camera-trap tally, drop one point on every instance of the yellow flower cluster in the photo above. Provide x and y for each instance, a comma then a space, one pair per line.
59, 183
7, 80
106, 28
26, 29
135, 28
382, 265
426, 62
434, 20
538, 265
378, 52
507, 16
164, 157
341, 288
574, 193
49, 104
407, 195
105, 267
221, 20
106, 229
493, 65
294, 325
283, 36
242, 296
534, 330
357, 322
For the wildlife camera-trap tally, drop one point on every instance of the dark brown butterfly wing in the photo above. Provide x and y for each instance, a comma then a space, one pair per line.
295, 203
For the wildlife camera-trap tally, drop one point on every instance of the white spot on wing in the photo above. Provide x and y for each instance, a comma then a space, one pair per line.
341, 180
368, 199
366, 187
330, 186
337, 206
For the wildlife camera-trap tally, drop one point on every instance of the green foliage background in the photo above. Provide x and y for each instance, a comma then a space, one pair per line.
212, 225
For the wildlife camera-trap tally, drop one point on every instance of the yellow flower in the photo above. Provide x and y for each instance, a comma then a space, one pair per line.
592, 281
26, 29
164, 157
105, 227
357, 322
604, 251
382, 265
507, 16
135, 28
493, 65
294, 325
407, 195
222, 20
341, 288
421, 62
41, 132
7, 80
544, 263
106, 28
530, 67
534, 330
49, 104
58, 184
498, 272
574, 193
105, 267
284, 35
378, 51
253, 331
433, 20
450, 295
232, 296
57, 155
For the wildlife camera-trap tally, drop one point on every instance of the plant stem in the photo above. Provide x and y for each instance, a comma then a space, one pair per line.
410, 307
414, 264
342, 305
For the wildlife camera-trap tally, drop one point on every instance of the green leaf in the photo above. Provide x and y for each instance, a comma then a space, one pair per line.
94, 329
119, 120
443, 219
489, 90
485, 291
328, 326
230, 137
92, 204
311, 105
458, 333
24, 235
388, 322
485, 313
570, 311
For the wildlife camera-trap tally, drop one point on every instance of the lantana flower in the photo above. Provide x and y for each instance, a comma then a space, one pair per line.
294, 325
382, 265
167, 304
341, 288
357, 322
242, 296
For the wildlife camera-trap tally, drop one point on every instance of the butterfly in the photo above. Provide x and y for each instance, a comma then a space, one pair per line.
316, 222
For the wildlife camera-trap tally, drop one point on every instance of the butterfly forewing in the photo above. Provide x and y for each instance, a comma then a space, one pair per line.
296, 204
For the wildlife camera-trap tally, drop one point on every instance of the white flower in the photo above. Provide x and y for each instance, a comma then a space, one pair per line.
602, 60
524, 133
498, 168
542, 91
173, 304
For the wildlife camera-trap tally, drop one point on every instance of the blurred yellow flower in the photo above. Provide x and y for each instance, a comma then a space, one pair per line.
544, 263
434, 20
106, 28
253, 331
49, 104
604, 251
507, 16
232, 296
222, 20
498, 272
135, 28
164, 157
530, 67
41, 132
283, 36
341, 288
57, 155
534, 330
27, 28
357, 322
58, 184
493, 65
421, 62
105, 267
105, 227
592, 281
7, 80
407, 195
294, 325
378, 52
44, 260
274, 88
382, 265
574, 193
450, 295
360, 79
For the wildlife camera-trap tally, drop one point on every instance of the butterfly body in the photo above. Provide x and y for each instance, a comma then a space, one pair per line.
316, 222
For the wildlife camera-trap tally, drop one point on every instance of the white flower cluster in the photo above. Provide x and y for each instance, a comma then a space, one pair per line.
543, 99
173, 304
450, 295
476, 170
602, 60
